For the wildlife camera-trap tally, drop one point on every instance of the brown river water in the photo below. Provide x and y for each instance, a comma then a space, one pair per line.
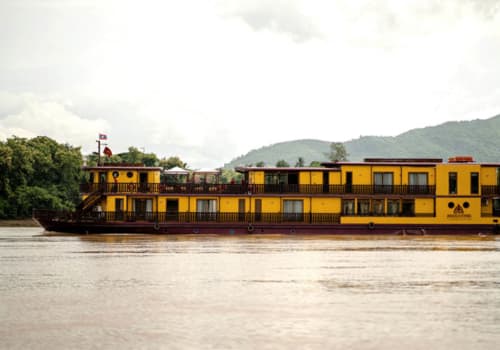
248, 292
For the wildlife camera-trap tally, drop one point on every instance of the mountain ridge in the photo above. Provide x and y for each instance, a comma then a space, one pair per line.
479, 138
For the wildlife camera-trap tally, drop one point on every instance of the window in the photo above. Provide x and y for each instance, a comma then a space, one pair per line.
293, 209
348, 207
363, 207
382, 178
383, 182
275, 182
452, 183
417, 182
392, 207
206, 205
474, 183
417, 179
206, 209
378, 207
275, 178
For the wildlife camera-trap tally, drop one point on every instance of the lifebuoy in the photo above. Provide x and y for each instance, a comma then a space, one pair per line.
371, 225
250, 228
130, 187
156, 226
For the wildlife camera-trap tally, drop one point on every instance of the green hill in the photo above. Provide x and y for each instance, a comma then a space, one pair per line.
479, 138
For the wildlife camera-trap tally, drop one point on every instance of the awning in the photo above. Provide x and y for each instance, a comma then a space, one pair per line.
176, 171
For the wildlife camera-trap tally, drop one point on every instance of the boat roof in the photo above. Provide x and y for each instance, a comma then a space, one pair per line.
244, 169
122, 166
176, 171
388, 161
206, 171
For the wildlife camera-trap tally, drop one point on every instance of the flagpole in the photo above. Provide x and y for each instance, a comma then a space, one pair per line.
98, 152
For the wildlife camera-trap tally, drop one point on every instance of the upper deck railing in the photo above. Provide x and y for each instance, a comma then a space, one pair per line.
208, 188
490, 190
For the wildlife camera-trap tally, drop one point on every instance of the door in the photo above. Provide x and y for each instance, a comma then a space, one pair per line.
143, 208
258, 209
241, 209
172, 209
348, 182
326, 182
102, 181
408, 207
119, 209
293, 182
496, 206
143, 182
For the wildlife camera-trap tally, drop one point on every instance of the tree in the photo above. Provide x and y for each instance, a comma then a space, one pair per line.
300, 162
315, 163
5, 168
229, 175
38, 173
171, 162
282, 164
260, 164
150, 159
337, 152
133, 156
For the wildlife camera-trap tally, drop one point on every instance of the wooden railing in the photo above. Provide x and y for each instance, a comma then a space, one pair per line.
186, 217
201, 188
199, 217
402, 214
490, 190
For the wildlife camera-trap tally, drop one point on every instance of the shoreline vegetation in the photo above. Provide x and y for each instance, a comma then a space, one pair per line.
19, 223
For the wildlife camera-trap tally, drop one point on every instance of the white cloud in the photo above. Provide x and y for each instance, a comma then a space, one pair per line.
48, 117
214, 80
282, 16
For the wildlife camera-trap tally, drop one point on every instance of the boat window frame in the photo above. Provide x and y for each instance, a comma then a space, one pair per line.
452, 182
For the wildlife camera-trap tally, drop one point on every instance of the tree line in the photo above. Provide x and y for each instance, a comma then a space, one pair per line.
337, 153
41, 173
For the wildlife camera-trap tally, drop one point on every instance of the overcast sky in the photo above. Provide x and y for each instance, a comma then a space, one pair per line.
211, 80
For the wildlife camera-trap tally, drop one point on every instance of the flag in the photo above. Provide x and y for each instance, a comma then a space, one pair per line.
103, 137
107, 151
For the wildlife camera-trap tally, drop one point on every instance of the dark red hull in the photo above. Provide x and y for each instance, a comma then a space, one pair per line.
239, 228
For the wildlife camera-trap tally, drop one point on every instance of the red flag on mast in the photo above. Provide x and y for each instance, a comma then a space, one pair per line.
107, 151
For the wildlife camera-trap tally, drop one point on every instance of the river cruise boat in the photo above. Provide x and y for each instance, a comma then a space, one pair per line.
375, 196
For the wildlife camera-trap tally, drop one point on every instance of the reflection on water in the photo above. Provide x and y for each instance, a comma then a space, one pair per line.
269, 292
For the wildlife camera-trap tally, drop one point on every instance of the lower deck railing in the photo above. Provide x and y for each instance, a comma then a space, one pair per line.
200, 217
185, 217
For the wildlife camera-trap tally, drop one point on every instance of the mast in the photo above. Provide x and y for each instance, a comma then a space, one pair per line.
99, 139
98, 152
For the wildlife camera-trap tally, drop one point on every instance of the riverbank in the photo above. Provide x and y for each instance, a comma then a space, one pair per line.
18, 223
